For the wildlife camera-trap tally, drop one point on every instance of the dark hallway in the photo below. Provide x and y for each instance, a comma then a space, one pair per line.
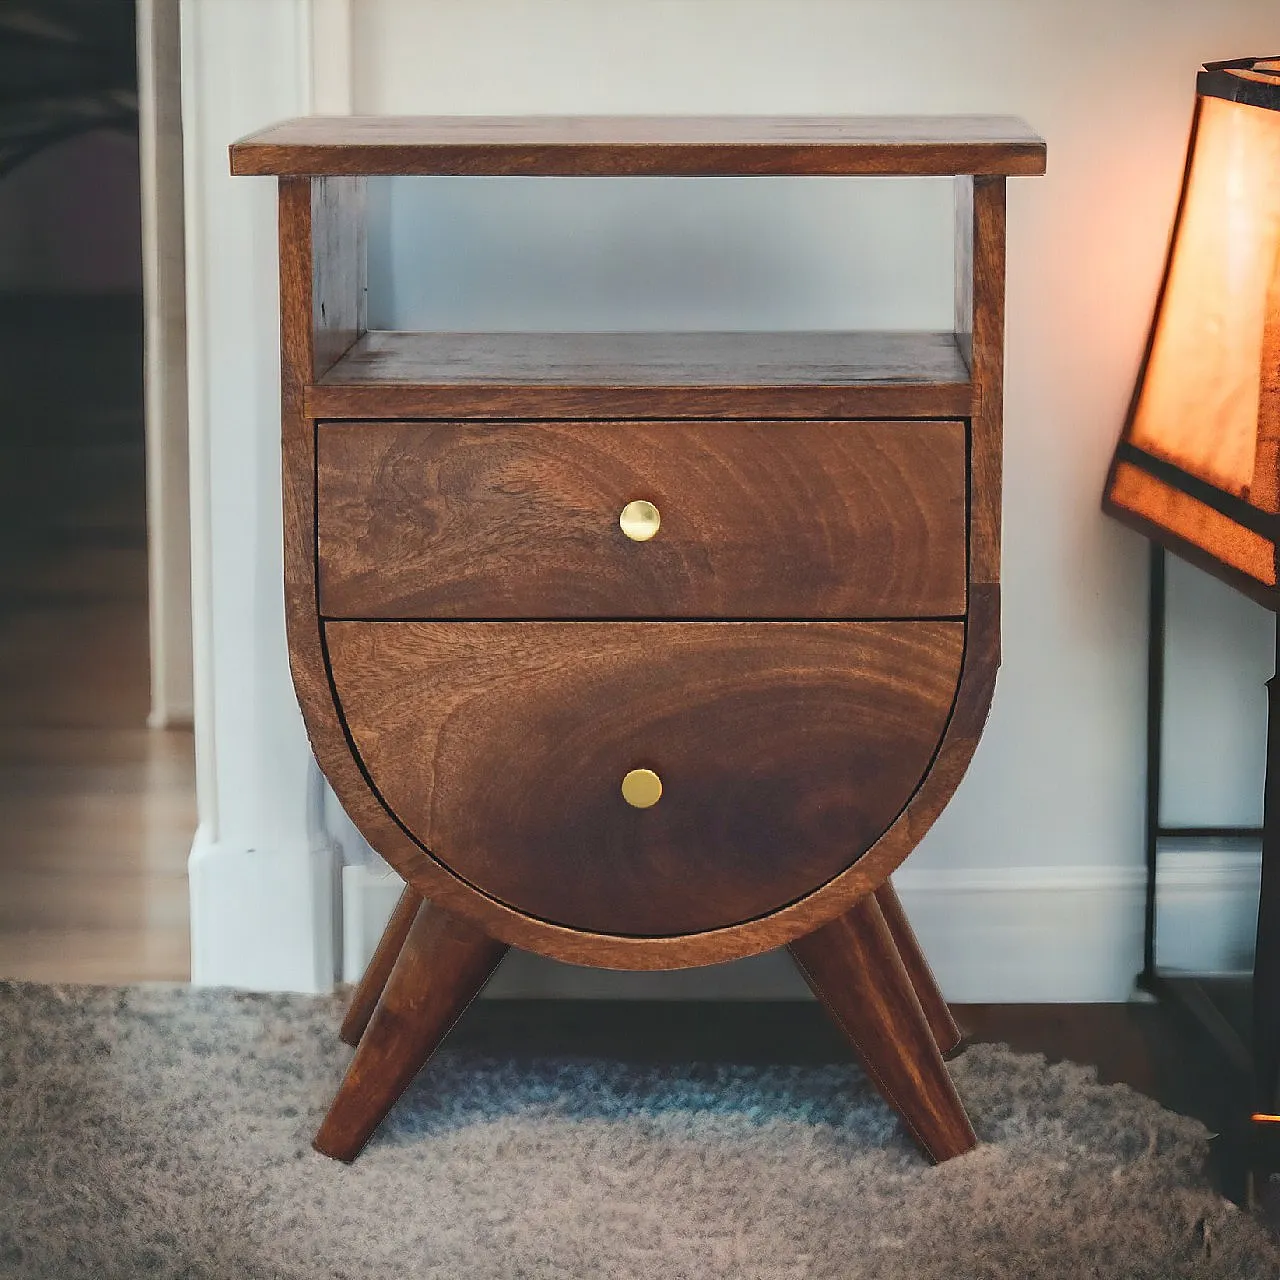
98, 809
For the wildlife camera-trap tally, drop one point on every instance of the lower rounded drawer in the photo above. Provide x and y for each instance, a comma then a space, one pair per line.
782, 752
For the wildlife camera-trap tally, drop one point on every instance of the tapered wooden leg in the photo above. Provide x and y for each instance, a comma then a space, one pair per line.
440, 969
365, 997
856, 971
946, 1033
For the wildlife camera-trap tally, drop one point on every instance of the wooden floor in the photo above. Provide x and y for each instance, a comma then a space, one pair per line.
98, 810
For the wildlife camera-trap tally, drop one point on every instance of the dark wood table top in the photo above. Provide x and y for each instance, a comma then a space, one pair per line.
618, 146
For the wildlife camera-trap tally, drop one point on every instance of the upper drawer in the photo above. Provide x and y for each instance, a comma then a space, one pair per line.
755, 519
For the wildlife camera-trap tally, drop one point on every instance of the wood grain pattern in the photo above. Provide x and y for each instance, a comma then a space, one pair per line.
364, 1000
441, 968
946, 1033
574, 946
631, 145
942, 1023
759, 520
339, 293
501, 747
985, 249
506, 400
388, 374
824, 358
299, 283
964, 244
855, 970
298, 365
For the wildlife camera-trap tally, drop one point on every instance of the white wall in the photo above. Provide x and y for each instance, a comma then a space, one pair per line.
1030, 884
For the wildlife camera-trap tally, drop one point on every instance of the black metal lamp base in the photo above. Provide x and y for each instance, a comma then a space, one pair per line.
1240, 1016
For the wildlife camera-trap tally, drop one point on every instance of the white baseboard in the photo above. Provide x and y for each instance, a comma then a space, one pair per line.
262, 919
175, 716
1043, 934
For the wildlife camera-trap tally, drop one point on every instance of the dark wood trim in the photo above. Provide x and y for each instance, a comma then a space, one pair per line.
726, 404
659, 375
986, 462
619, 146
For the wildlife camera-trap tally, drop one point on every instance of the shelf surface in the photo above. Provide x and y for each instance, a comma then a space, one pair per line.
648, 374
621, 146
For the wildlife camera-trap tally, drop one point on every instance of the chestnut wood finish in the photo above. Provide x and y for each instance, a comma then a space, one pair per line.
857, 973
364, 1000
441, 968
946, 1032
800, 476
501, 746
947, 1035
621, 146
322, 309
671, 375
315, 218
980, 269
759, 520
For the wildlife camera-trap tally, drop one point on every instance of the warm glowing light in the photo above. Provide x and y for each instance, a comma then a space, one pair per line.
1201, 394
1198, 467
1261, 1116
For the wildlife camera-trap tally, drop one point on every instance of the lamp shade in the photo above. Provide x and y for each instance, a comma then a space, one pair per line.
1197, 468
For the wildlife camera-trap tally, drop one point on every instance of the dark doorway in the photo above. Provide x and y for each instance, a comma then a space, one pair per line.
97, 807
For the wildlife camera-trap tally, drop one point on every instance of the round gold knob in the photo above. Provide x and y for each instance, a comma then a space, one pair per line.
642, 788
640, 520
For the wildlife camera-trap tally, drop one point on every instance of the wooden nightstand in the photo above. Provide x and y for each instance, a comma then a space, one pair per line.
641, 650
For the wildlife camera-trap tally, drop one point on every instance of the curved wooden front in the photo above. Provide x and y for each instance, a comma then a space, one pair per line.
786, 750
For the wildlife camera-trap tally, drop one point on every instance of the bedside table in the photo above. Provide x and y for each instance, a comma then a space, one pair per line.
641, 650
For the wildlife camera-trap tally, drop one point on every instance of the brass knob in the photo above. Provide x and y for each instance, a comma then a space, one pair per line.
640, 520
642, 788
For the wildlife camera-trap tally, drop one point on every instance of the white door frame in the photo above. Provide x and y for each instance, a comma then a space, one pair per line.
165, 363
263, 868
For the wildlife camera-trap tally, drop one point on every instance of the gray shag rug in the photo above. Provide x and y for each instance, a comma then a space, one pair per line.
166, 1132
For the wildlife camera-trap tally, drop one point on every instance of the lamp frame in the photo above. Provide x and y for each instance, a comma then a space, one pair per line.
1253, 1053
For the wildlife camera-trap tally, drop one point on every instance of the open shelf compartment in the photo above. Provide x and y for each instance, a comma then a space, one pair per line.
820, 373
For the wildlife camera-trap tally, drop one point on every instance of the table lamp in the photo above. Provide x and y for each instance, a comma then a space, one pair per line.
1197, 468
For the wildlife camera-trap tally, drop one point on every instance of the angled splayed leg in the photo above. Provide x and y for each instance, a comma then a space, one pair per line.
444, 963
854, 968
366, 995
948, 1035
